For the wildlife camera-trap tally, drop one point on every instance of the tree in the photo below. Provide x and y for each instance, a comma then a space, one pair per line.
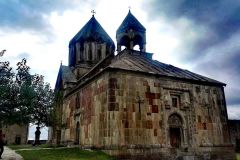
7, 94
24, 98
16, 95
43, 102
25, 93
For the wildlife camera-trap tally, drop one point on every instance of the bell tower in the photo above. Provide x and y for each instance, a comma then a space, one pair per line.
131, 33
89, 46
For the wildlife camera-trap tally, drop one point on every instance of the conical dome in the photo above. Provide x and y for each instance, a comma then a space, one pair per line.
92, 31
90, 44
131, 33
130, 22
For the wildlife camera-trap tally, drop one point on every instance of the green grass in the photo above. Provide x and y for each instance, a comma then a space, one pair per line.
63, 154
238, 156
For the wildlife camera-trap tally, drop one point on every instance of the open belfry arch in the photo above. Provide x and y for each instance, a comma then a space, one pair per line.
130, 105
131, 33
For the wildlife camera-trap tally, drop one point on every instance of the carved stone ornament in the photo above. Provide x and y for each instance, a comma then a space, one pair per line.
175, 120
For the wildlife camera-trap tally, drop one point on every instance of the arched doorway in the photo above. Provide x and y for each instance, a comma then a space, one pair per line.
175, 130
77, 133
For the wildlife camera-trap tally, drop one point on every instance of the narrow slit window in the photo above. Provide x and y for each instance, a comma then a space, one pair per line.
175, 101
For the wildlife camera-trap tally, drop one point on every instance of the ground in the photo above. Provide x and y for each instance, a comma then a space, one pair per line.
10, 154
29, 152
238, 156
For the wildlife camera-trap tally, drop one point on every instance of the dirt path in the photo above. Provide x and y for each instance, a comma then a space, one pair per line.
10, 154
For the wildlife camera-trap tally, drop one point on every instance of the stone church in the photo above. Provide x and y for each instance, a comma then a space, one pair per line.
129, 105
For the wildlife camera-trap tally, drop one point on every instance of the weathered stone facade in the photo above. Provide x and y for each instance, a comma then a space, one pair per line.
16, 134
132, 106
110, 116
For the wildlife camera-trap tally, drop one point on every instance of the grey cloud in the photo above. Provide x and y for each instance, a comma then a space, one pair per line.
233, 112
221, 19
225, 69
233, 96
222, 63
20, 15
215, 52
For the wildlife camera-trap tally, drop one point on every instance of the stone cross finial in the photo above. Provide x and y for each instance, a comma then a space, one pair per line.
129, 8
93, 12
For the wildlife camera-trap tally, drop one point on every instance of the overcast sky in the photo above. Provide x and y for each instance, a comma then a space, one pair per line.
202, 36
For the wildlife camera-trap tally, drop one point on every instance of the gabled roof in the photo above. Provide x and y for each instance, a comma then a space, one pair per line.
65, 75
131, 22
136, 61
140, 63
92, 30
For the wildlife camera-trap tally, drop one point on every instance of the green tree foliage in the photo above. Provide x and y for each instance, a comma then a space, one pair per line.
43, 101
7, 93
55, 114
24, 98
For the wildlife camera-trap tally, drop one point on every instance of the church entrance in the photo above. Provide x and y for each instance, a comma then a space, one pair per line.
77, 133
175, 137
175, 130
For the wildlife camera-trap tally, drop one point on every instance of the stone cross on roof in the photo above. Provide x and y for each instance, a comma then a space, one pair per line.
93, 12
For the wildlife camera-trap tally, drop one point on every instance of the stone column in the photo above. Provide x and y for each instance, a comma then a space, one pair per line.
185, 136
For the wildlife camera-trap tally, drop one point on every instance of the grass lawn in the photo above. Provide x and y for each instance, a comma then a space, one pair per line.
63, 154
238, 156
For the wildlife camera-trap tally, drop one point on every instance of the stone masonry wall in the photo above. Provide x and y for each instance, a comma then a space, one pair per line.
14, 131
132, 113
200, 107
87, 107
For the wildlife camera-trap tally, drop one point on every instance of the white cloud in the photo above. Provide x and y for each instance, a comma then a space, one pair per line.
233, 112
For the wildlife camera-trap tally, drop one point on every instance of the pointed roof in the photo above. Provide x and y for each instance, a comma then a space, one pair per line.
65, 75
92, 30
131, 22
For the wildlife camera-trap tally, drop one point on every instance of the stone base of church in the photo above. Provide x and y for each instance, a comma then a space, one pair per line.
154, 153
